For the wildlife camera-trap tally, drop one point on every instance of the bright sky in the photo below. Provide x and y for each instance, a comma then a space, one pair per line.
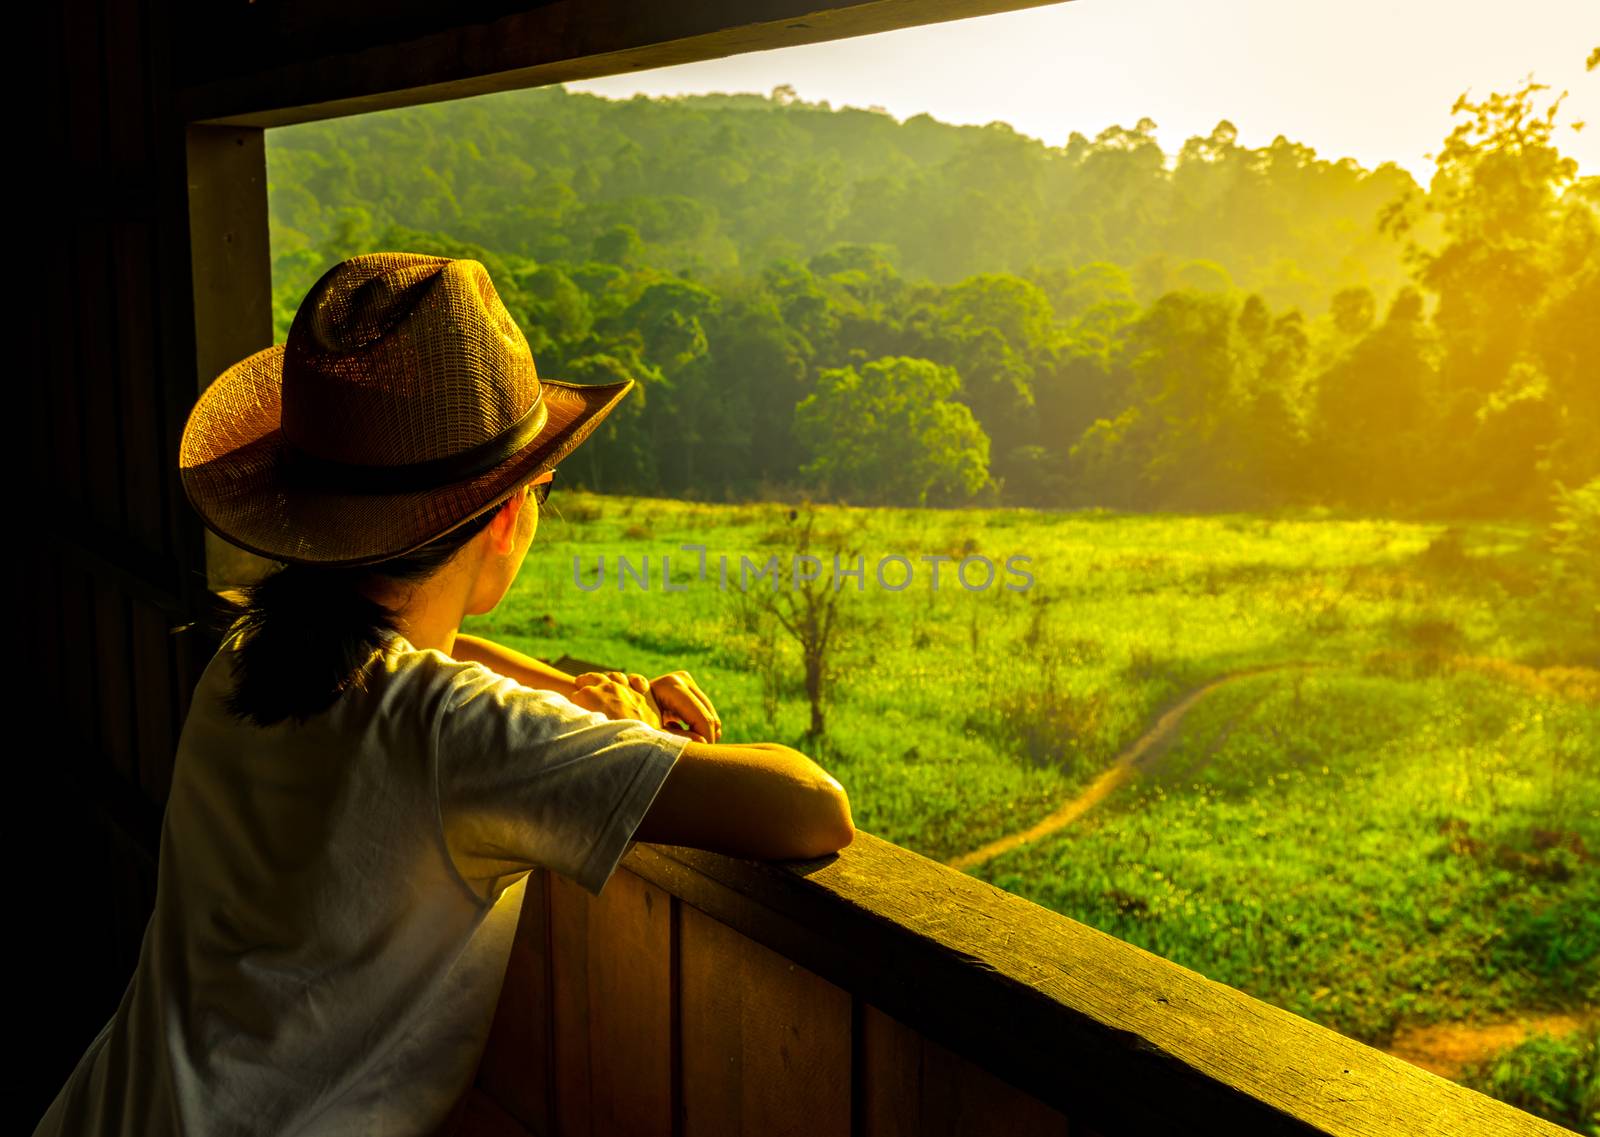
1370, 79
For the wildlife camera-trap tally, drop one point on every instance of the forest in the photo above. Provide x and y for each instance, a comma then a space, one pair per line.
831, 302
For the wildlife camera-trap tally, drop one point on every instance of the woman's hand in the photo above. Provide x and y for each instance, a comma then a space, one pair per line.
617, 696
673, 702
680, 698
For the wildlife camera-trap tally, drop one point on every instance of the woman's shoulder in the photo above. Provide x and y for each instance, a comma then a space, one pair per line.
453, 700
427, 675
398, 679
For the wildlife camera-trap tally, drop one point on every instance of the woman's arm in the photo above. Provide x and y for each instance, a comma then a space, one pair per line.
512, 664
675, 699
761, 800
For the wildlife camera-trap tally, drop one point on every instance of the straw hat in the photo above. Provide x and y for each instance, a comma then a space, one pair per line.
403, 404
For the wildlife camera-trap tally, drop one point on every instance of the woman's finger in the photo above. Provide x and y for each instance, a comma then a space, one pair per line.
686, 699
678, 703
702, 699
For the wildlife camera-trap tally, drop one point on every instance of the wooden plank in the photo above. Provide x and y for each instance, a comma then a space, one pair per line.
1103, 1031
66, 600
569, 985
517, 1061
479, 1115
127, 86
193, 649
131, 875
139, 391
611, 979
62, 381
766, 1044
154, 701
126, 806
138, 397
913, 1087
96, 384
453, 1121
80, 969
77, 670
83, 140
630, 1009
113, 695
174, 328
711, 1048
47, 608
299, 61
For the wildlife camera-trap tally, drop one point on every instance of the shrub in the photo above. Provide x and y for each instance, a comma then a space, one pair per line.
1574, 536
1432, 633
1144, 664
577, 509
1446, 554
1051, 727
1557, 1079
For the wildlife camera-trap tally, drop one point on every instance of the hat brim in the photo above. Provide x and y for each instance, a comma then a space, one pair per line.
231, 462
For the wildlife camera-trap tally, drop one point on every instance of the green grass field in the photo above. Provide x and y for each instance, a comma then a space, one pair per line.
1405, 831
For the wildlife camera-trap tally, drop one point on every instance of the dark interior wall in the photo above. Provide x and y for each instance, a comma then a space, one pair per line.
116, 566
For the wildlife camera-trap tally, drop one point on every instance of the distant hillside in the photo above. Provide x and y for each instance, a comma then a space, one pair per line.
833, 303
724, 184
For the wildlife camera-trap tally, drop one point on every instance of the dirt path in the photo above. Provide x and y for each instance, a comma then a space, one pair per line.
1447, 1049
1121, 768
1580, 683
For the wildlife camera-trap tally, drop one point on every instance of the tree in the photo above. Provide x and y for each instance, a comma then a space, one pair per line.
892, 433
620, 245
1080, 386
619, 453
757, 373
808, 603
1514, 280
1074, 290
1496, 190
1371, 420
1182, 360
997, 331
1263, 434
1352, 310
554, 313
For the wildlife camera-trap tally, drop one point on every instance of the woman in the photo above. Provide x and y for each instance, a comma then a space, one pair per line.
360, 790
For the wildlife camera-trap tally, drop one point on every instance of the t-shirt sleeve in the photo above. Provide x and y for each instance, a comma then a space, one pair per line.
528, 778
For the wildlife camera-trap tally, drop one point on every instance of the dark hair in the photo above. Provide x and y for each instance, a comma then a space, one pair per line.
309, 632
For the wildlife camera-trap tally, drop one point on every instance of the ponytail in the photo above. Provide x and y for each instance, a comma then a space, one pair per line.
307, 632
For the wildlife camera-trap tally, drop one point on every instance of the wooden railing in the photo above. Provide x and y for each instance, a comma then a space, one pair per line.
877, 992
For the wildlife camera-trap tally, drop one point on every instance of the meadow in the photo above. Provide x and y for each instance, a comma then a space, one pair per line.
1391, 819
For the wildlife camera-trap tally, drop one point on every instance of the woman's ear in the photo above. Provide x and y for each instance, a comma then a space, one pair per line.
502, 530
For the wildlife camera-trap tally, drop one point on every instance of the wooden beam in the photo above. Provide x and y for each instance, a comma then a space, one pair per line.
1106, 1032
230, 249
230, 262
276, 64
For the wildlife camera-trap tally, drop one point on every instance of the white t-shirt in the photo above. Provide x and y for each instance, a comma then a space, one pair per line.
336, 900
